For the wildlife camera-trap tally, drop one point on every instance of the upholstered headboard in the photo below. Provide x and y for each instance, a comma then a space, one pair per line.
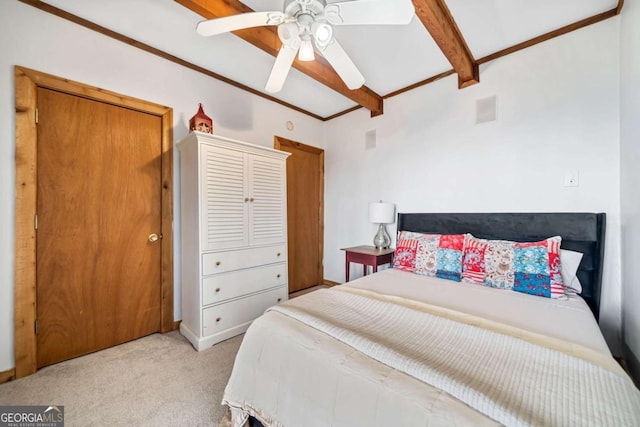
581, 232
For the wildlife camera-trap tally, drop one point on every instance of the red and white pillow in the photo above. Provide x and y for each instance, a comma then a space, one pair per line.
406, 249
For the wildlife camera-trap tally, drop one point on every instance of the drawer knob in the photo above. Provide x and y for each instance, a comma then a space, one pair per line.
251, 199
278, 254
217, 263
279, 299
278, 276
217, 290
218, 319
246, 199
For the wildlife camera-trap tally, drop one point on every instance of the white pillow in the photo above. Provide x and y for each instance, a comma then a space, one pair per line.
569, 262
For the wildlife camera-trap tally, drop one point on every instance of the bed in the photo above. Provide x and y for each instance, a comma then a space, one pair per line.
401, 349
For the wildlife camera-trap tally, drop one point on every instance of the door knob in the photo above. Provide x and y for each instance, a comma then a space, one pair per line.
153, 237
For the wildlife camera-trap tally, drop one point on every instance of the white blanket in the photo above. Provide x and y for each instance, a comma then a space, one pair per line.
288, 373
568, 320
511, 380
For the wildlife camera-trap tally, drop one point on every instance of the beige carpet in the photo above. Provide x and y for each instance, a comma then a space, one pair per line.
158, 380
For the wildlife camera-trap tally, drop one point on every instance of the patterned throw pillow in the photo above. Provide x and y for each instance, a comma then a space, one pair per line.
406, 247
473, 265
532, 268
440, 256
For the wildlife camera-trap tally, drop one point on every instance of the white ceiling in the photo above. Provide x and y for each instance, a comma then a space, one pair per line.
390, 57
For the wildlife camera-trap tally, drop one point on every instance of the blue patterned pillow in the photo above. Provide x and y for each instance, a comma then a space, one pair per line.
532, 268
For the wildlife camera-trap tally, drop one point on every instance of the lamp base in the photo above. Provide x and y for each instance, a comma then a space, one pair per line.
381, 240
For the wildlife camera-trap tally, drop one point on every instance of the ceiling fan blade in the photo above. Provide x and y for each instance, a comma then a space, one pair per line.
238, 22
343, 65
370, 12
281, 67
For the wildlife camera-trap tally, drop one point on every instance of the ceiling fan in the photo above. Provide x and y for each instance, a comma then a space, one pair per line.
305, 23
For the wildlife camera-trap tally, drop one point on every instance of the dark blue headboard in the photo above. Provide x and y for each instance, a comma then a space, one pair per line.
581, 232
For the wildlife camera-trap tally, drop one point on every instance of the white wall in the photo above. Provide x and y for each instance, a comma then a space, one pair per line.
558, 110
630, 173
40, 41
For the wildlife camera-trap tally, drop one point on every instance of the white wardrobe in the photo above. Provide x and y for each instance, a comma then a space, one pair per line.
234, 235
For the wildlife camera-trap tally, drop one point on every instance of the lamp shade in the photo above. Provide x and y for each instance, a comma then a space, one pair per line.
382, 213
306, 51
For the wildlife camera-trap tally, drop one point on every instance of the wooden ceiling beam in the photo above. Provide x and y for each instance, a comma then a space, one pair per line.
437, 19
266, 38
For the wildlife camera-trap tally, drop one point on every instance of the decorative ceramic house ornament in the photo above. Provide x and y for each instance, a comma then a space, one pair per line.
201, 122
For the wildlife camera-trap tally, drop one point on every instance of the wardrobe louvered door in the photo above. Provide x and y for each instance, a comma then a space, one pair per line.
267, 208
224, 190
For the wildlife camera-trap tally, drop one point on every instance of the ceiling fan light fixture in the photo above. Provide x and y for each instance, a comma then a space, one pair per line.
322, 34
288, 33
306, 50
307, 25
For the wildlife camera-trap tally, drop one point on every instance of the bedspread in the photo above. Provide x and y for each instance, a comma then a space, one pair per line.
448, 367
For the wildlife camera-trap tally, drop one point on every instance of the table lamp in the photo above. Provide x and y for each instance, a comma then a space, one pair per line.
381, 213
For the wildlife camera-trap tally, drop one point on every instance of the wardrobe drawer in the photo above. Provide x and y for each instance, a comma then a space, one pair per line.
219, 262
237, 283
235, 313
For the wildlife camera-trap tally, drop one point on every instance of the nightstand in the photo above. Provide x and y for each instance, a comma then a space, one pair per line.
367, 255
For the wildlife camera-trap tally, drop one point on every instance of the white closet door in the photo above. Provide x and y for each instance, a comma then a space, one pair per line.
224, 188
267, 218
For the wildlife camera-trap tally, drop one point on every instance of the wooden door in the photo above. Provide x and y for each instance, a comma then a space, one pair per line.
305, 213
98, 201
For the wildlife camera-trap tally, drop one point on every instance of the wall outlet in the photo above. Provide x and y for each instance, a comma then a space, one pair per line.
571, 178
